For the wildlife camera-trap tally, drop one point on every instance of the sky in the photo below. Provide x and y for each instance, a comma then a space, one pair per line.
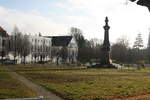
55, 17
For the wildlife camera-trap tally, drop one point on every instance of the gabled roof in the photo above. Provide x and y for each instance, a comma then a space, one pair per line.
60, 40
3, 33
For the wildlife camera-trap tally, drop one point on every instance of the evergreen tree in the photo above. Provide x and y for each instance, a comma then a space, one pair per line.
138, 44
137, 47
148, 49
148, 45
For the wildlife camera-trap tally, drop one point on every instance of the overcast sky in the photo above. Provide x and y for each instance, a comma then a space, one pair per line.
55, 17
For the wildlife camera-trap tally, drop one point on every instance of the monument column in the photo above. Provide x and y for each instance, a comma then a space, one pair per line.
105, 50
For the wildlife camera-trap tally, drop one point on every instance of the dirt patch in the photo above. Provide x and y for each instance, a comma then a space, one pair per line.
140, 97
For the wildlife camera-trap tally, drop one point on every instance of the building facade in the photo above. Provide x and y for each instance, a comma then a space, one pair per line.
49, 49
72, 51
64, 49
40, 49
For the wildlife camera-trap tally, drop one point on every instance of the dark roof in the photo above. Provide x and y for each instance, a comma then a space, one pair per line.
1, 29
3, 33
61, 40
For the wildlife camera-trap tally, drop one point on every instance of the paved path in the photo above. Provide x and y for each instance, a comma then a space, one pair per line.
38, 89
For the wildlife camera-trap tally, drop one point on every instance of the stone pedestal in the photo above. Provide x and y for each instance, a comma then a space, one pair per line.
105, 57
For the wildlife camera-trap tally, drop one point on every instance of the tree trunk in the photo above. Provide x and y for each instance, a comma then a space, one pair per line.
57, 62
35, 59
2, 56
24, 60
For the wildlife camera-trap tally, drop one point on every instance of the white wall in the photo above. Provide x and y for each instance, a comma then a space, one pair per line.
37, 41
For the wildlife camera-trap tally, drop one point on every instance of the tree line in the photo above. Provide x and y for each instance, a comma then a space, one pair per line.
17, 44
88, 50
121, 52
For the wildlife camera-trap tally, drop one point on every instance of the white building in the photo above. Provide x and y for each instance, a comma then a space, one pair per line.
51, 49
64, 49
72, 50
40, 49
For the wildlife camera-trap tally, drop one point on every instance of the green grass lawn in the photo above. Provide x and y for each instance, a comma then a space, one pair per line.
10, 87
89, 84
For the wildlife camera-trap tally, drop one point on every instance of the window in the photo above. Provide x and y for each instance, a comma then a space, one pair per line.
35, 48
38, 49
41, 48
32, 48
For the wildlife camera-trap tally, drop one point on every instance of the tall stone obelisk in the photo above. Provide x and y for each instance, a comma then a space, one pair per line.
105, 50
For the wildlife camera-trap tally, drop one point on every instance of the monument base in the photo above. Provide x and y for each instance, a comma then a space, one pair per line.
111, 66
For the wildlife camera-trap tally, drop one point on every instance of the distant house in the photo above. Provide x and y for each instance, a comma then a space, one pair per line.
64, 49
40, 49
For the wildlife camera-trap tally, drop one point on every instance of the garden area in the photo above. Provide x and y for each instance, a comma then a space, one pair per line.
89, 84
10, 87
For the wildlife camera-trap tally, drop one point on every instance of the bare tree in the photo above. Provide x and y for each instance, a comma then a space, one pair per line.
16, 39
119, 50
64, 53
35, 54
25, 48
43, 50
7, 46
81, 42
19, 44
56, 54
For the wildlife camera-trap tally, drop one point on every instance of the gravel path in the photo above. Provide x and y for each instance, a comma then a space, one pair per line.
38, 89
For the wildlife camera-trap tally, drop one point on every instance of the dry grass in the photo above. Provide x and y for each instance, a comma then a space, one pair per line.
10, 87
89, 84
